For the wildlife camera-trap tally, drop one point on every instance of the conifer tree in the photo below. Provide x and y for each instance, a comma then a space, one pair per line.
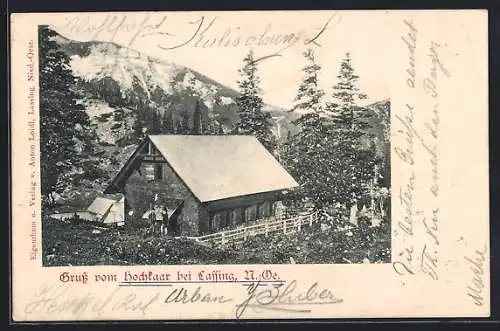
155, 122
183, 125
197, 119
310, 96
213, 116
306, 154
345, 109
168, 122
323, 156
353, 143
66, 135
253, 119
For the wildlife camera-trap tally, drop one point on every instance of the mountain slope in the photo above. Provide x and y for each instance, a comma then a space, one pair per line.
114, 80
128, 94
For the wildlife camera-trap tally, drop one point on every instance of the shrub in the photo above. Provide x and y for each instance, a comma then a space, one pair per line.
74, 243
364, 222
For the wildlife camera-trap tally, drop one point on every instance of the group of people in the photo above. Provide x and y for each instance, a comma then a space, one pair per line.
158, 217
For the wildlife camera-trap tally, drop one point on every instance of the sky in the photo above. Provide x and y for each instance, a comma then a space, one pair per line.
215, 43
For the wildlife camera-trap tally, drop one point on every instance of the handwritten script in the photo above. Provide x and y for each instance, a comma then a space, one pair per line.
420, 255
285, 298
59, 299
200, 32
185, 296
476, 265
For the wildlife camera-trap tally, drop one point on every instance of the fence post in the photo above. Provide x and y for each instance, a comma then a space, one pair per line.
284, 226
311, 220
299, 222
223, 238
244, 234
267, 229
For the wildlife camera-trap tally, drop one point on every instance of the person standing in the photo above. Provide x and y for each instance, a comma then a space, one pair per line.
164, 221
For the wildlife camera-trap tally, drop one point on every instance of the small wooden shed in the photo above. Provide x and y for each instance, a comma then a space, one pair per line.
108, 209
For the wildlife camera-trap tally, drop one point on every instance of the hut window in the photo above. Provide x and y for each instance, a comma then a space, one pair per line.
274, 208
267, 208
158, 172
152, 150
215, 222
149, 171
153, 171
250, 213
264, 210
234, 217
218, 220
224, 215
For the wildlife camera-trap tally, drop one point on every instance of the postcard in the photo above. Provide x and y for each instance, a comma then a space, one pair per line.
249, 165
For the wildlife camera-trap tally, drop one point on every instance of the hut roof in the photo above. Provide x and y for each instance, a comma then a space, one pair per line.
102, 204
220, 167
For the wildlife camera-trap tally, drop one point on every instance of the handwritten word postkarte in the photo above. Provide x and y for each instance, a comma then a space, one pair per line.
249, 165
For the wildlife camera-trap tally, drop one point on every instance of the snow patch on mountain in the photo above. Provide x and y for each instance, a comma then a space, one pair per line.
226, 101
123, 65
206, 92
135, 73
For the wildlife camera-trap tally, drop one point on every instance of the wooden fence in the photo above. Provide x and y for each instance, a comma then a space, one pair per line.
285, 226
81, 214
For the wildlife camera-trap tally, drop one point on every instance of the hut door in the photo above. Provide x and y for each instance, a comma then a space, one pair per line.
173, 224
173, 220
